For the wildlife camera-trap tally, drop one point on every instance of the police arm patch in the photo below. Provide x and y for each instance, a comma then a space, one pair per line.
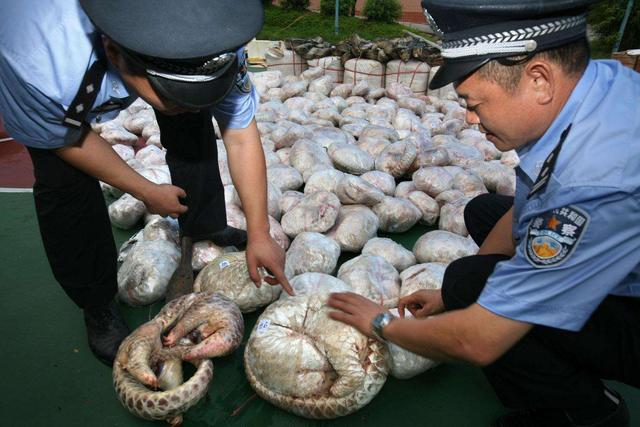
553, 236
243, 81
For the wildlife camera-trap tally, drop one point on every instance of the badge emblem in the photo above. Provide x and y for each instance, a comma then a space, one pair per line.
553, 236
243, 82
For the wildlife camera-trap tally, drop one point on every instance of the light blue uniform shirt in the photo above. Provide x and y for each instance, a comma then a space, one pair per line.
578, 239
45, 49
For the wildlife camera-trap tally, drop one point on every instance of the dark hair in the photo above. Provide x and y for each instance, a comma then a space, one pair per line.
572, 58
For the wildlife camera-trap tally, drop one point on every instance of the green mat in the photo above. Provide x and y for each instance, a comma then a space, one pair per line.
50, 377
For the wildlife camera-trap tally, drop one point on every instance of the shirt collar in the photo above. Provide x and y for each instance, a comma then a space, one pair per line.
533, 154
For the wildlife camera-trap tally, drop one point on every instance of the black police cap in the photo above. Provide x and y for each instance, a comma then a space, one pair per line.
476, 31
187, 47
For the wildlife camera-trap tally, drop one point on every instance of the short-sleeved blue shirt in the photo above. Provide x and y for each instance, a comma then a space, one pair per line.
578, 239
45, 49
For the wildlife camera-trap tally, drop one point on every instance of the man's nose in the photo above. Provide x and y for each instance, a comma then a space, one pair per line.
472, 118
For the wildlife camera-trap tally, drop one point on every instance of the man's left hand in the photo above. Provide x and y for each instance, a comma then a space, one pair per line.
355, 310
263, 251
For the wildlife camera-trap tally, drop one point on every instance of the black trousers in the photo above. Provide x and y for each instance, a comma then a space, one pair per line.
73, 219
548, 368
192, 156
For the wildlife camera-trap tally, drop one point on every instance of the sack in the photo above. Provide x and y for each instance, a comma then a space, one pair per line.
331, 65
413, 74
287, 62
372, 71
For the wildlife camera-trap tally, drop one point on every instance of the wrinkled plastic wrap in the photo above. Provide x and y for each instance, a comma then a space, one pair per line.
443, 246
342, 90
433, 180
228, 275
462, 155
349, 158
405, 364
151, 156
145, 272
418, 106
324, 180
278, 234
422, 276
315, 284
373, 277
311, 252
429, 208
428, 156
315, 212
205, 251
355, 225
396, 90
235, 217
396, 215
469, 183
381, 180
289, 199
326, 136
286, 137
373, 131
510, 159
302, 361
126, 211
284, 177
118, 135
397, 158
353, 190
494, 174
452, 217
373, 146
306, 154
394, 253
404, 188
125, 152
323, 85
449, 196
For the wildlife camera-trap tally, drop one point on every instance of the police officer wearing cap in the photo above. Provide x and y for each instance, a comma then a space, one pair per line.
550, 305
66, 64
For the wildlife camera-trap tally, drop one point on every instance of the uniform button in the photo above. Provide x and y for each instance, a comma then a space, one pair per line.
98, 118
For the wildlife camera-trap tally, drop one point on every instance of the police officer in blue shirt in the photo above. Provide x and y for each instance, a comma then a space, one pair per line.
550, 305
65, 64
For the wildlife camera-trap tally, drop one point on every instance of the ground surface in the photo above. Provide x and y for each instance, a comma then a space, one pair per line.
51, 379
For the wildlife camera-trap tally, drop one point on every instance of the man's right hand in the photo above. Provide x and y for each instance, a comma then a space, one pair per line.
423, 303
163, 199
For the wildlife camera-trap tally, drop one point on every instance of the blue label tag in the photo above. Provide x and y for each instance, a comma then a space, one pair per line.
553, 236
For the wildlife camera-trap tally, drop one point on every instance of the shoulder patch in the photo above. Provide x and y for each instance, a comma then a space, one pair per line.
243, 82
553, 236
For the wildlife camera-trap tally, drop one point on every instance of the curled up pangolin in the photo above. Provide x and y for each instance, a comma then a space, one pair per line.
147, 372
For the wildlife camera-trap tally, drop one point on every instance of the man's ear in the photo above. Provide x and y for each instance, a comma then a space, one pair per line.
113, 53
541, 79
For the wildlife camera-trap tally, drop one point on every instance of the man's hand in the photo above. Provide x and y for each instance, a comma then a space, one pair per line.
423, 303
355, 310
163, 199
263, 251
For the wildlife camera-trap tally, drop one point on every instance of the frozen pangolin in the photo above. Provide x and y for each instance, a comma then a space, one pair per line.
147, 372
304, 362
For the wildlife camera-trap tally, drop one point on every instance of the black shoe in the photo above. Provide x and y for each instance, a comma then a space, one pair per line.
106, 328
229, 236
618, 417
534, 418
559, 418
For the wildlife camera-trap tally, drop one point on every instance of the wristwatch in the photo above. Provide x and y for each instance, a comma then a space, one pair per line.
379, 322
